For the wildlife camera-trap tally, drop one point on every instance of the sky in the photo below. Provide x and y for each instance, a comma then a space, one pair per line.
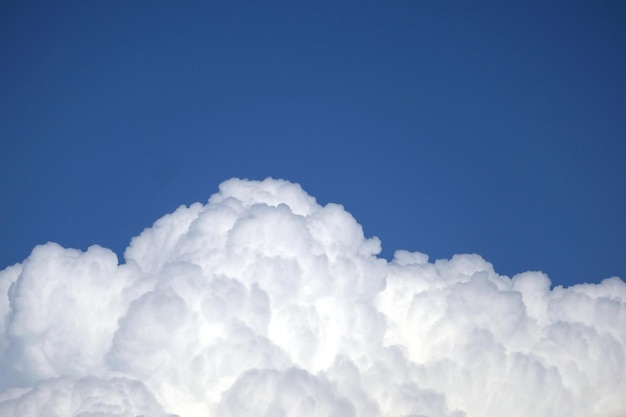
331, 209
495, 128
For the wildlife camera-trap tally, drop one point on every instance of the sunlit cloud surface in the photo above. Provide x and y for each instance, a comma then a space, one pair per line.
262, 302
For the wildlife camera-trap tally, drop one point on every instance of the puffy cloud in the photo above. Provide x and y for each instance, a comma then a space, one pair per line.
263, 302
86, 397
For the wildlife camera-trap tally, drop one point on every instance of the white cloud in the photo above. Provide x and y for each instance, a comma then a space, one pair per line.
85, 397
263, 302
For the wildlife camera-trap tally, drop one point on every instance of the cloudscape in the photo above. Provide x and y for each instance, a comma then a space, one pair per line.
263, 302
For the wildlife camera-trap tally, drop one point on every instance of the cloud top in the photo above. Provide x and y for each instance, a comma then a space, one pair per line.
263, 302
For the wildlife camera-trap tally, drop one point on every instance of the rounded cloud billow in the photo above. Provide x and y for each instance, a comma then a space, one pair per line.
264, 303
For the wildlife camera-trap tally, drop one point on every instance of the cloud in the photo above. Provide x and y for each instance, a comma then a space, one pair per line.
263, 302
85, 397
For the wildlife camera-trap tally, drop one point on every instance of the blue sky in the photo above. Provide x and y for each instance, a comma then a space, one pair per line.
486, 128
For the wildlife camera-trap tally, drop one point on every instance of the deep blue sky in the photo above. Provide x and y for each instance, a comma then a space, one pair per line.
443, 127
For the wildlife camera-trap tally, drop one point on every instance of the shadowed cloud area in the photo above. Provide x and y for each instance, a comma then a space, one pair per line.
262, 302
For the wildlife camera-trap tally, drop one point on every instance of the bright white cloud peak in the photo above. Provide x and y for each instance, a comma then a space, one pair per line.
264, 303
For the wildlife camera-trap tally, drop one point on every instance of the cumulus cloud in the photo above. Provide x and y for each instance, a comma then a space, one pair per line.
262, 302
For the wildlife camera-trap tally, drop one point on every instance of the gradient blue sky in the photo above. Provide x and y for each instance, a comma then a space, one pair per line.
443, 127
